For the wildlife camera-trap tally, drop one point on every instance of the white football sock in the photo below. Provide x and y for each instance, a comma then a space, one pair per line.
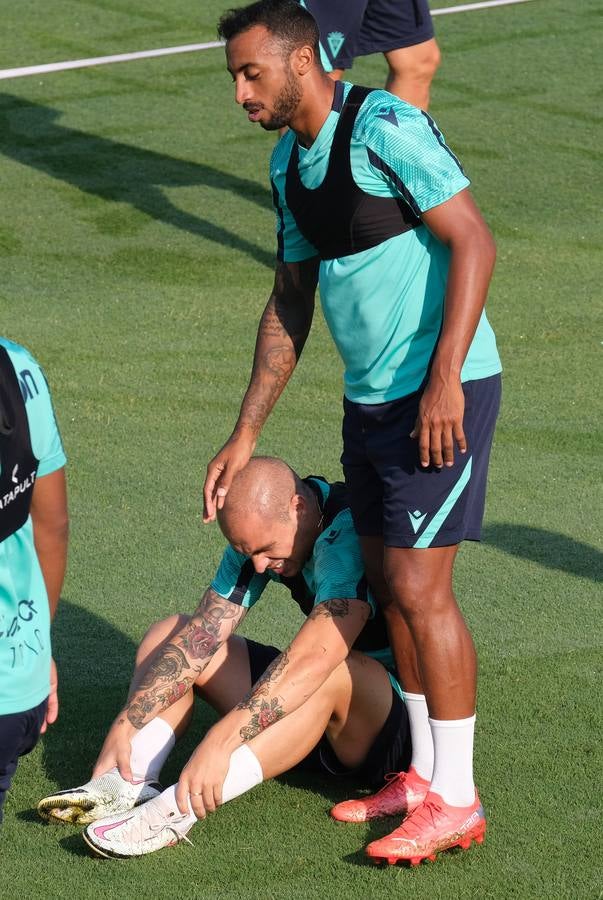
244, 773
420, 733
166, 802
151, 746
453, 763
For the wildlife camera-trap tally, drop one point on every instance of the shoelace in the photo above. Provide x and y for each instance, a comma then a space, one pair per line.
426, 811
141, 828
390, 778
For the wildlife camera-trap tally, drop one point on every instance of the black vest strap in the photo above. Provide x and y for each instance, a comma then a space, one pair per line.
338, 217
19, 465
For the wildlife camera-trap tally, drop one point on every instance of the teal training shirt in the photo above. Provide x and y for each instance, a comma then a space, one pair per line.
334, 571
24, 614
384, 305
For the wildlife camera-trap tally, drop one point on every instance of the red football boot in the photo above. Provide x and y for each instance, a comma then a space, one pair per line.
402, 793
433, 826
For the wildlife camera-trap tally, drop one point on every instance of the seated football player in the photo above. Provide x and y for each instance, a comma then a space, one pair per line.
330, 701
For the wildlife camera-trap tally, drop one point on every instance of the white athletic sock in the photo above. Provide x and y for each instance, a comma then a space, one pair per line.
453, 762
151, 746
167, 804
420, 733
244, 773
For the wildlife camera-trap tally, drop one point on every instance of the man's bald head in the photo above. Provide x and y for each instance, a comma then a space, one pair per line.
263, 488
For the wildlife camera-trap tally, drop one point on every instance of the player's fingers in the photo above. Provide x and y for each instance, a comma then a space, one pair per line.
423, 445
459, 436
447, 446
209, 505
208, 798
182, 795
435, 445
123, 764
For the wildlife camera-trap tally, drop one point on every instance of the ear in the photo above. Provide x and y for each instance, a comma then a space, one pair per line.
303, 60
297, 506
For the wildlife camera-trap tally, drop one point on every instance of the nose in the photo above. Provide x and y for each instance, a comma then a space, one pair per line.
260, 564
242, 90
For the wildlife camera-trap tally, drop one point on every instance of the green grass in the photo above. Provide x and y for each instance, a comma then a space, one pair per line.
137, 244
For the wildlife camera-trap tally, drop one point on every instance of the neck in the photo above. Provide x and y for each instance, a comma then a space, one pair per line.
313, 109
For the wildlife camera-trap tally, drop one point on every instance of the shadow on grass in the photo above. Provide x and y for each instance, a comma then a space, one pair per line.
549, 548
122, 173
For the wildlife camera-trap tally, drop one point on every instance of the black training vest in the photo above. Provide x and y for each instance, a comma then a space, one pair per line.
19, 465
374, 634
337, 217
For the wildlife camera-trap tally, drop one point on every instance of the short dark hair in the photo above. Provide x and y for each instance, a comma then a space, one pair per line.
286, 20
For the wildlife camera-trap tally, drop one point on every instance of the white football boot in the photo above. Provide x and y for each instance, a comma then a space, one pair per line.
106, 795
144, 830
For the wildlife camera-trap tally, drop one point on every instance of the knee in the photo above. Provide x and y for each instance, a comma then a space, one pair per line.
159, 633
420, 65
413, 594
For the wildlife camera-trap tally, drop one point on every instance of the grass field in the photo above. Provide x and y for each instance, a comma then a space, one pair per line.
137, 244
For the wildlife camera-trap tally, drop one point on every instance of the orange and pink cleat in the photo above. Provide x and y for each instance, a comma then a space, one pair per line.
402, 793
433, 826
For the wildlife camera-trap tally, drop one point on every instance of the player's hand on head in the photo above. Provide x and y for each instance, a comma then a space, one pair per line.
439, 425
234, 455
52, 709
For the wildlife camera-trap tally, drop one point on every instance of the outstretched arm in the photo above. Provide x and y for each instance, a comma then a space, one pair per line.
166, 677
322, 643
282, 333
458, 224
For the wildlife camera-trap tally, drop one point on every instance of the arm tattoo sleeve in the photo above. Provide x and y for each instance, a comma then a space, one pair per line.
265, 710
175, 666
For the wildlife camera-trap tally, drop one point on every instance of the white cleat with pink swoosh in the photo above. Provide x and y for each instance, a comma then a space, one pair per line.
151, 827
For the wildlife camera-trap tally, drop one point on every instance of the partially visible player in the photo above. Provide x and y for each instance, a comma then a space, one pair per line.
400, 29
329, 702
33, 555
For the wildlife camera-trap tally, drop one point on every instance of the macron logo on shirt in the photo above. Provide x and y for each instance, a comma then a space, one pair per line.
387, 113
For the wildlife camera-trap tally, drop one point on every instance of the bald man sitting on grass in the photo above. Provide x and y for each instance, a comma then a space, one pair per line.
329, 702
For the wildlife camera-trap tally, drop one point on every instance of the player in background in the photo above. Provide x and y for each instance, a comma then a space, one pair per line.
372, 202
33, 555
330, 702
400, 29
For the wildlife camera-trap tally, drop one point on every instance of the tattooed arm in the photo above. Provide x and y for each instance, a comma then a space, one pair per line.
168, 674
322, 643
282, 333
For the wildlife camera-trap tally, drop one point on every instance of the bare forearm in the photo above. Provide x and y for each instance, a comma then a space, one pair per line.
282, 333
294, 676
176, 665
51, 550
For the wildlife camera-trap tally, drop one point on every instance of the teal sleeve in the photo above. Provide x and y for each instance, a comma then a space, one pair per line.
236, 579
45, 437
338, 565
405, 147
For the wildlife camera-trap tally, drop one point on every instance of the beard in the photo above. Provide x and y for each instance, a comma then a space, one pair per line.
285, 105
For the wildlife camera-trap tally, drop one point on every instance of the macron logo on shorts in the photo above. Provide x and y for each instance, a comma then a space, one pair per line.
416, 519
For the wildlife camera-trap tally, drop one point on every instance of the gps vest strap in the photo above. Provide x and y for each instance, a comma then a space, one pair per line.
338, 218
19, 465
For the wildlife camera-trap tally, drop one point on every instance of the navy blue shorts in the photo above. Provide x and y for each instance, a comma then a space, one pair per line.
392, 495
350, 28
391, 750
19, 733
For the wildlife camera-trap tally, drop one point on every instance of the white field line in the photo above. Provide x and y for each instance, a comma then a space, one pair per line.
190, 48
